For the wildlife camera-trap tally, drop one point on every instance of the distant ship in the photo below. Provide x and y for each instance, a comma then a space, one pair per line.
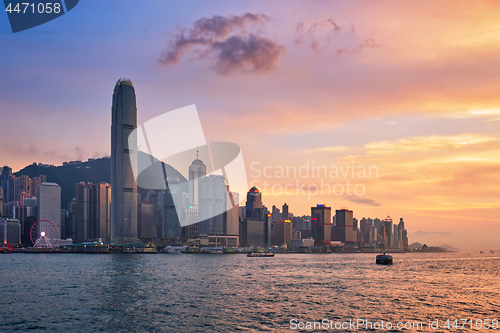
260, 254
384, 259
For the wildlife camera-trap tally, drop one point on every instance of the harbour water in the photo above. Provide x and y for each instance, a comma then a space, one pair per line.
228, 293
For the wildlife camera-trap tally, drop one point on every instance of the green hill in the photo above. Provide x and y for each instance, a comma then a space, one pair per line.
69, 174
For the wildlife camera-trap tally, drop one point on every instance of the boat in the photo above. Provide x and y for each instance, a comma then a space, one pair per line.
384, 259
174, 249
8, 249
260, 254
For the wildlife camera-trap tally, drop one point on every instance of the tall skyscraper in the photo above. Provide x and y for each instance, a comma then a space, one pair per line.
254, 204
388, 232
213, 202
321, 225
123, 185
344, 225
49, 203
196, 170
92, 212
284, 215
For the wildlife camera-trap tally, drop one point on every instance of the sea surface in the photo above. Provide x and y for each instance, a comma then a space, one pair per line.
231, 293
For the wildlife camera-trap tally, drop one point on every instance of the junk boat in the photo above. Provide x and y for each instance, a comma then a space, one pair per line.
260, 254
384, 259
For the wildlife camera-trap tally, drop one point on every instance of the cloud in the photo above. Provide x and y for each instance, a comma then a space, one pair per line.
431, 143
364, 201
332, 149
320, 34
232, 43
486, 114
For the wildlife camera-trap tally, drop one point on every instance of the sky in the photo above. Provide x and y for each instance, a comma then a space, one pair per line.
409, 90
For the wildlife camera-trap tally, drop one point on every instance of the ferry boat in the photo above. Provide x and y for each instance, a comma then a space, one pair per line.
260, 254
174, 249
384, 259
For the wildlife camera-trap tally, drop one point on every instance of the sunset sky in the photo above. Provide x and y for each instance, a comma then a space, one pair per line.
411, 88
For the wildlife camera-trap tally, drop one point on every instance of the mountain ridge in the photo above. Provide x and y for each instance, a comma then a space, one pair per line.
71, 173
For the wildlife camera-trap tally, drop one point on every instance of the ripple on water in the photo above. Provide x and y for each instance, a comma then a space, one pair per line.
132, 293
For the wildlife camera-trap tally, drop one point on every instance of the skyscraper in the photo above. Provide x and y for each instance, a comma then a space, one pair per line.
123, 186
283, 232
196, 170
213, 203
146, 230
321, 225
284, 215
254, 204
170, 220
92, 212
49, 203
344, 225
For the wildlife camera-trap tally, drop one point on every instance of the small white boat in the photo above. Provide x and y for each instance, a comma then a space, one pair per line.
384, 259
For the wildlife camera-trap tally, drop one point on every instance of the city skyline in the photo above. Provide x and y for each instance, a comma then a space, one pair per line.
341, 86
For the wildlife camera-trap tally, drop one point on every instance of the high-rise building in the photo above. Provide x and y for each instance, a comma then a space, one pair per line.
344, 225
7, 183
283, 232
123, 156
389, 238
212, 203
401, 224
146, 229
197, 170
232, 215
10, 232
321, 225
22, 187
49, 204
275, 213
395, 237
284, 215
37, 181
255, 233
171, 227
92, 212
254, 204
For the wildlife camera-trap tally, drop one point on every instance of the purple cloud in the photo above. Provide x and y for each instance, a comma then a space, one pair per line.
232, 42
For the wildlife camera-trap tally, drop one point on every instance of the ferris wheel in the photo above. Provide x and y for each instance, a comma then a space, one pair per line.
44, 233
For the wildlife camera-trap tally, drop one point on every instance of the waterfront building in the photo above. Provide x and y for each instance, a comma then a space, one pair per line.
10, 232
283, 232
